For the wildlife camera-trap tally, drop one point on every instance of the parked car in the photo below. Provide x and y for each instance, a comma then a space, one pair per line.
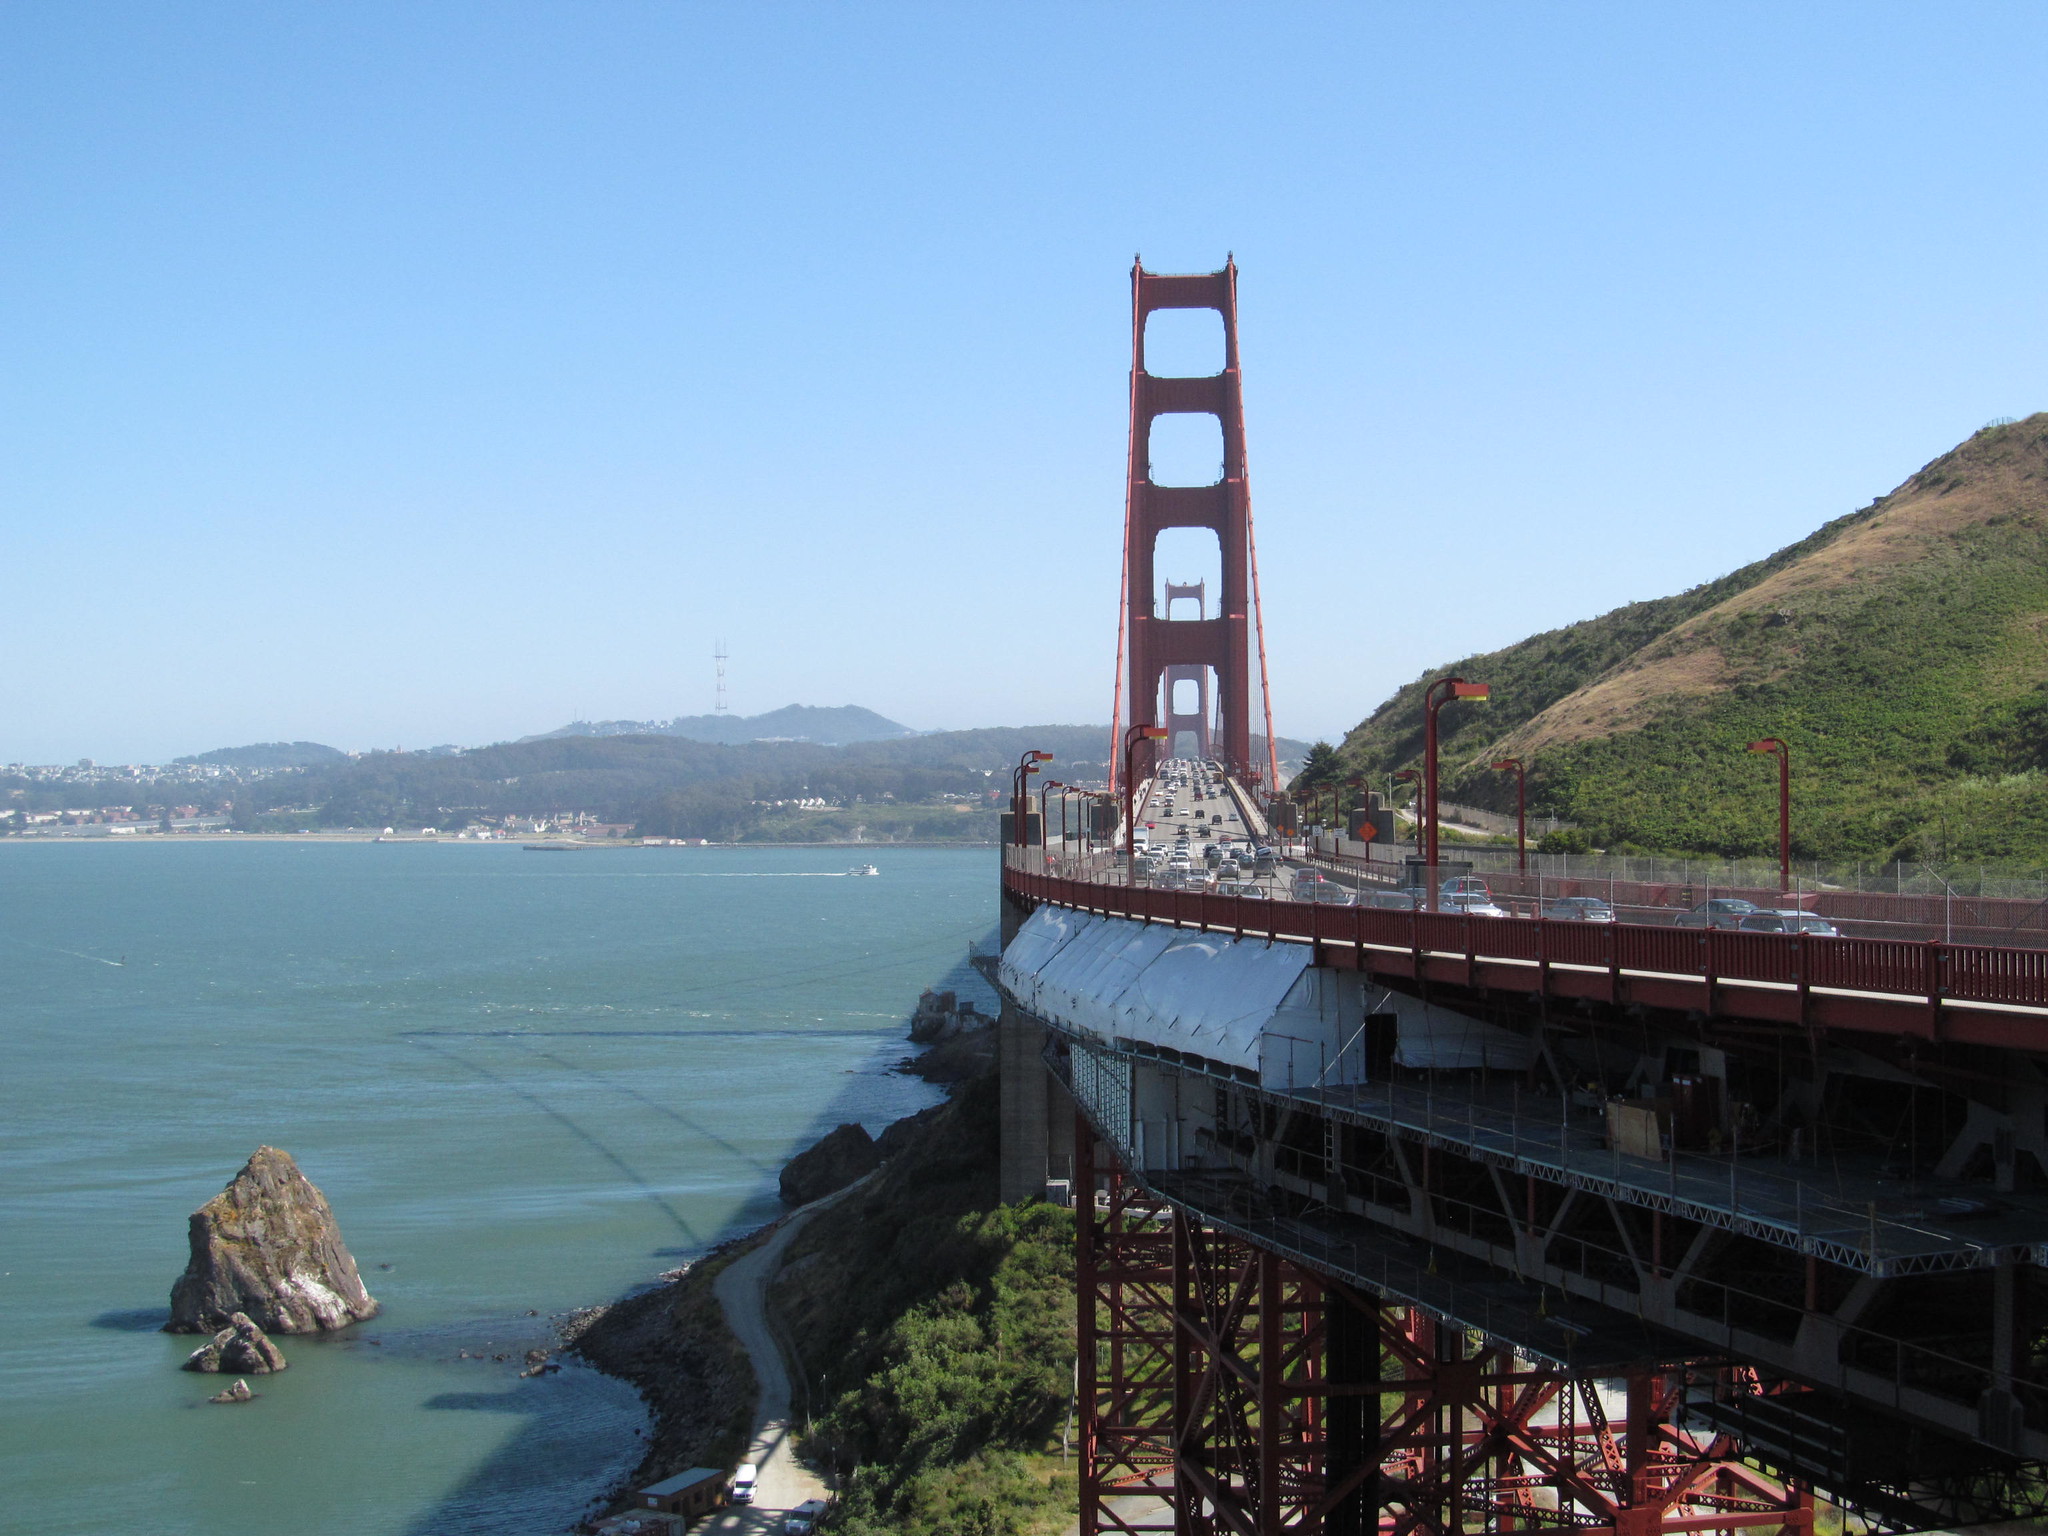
743, 1483
803, 1520
1721, 912
1576, 909
1788, 922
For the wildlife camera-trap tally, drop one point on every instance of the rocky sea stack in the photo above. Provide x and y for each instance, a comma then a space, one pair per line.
267, 1247
240, 1349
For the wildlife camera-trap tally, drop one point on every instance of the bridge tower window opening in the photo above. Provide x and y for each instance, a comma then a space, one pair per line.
1185, 450
1184, 344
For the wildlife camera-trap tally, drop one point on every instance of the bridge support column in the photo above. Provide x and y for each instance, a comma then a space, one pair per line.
1224, 1388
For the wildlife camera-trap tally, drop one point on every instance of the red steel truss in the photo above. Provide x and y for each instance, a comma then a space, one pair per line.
1226, 1389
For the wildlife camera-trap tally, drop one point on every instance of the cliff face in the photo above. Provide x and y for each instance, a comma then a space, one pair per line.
268, 1246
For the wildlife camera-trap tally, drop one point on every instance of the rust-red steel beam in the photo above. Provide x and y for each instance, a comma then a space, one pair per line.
1227, 1391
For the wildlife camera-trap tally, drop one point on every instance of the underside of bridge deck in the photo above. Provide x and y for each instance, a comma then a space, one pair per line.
1843, 1294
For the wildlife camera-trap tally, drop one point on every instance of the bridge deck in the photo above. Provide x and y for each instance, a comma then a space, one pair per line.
1974, 994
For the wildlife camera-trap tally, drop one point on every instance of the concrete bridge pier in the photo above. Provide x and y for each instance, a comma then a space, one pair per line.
1037, 1112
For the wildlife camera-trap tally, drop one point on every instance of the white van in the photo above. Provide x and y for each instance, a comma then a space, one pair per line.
743, 1480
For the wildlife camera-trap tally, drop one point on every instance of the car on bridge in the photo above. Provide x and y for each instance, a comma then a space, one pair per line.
1786, 921
1394, 901
1575, 909
1721, 912
1471, 904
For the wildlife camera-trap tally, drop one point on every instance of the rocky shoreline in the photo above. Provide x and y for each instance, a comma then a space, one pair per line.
671, 1341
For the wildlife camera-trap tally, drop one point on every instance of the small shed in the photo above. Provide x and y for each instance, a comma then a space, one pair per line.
689, 1494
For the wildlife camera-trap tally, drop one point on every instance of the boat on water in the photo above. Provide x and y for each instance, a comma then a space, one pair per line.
863, 869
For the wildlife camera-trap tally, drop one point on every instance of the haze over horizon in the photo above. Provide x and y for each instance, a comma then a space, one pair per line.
446, 373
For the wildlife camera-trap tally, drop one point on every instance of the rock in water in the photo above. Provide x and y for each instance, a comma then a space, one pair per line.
267, 1246
238, 1393
240, 1349
843, 1156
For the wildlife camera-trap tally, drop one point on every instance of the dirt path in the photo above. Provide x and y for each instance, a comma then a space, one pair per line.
742, 1290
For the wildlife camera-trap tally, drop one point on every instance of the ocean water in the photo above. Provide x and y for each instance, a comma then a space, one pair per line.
526, 1082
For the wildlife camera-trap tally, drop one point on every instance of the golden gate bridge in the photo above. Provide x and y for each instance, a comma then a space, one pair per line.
1401, 1218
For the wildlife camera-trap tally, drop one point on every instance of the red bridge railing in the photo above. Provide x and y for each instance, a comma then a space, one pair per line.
1929, 973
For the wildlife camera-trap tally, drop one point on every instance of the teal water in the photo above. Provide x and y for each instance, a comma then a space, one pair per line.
526, 1083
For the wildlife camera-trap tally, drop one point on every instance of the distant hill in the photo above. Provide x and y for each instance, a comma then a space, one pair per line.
1901, 651
827, 726
671, 785
271, 754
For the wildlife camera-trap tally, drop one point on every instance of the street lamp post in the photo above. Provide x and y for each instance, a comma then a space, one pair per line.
1783, 753
1432, 702
1521, 809
1020, 797
1410, 776
1043, 790
1132, 737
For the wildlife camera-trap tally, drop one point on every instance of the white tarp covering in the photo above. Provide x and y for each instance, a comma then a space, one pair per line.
1244, 1002
1315, 1038
1205, 994
1087, 980
1436, 1037
1210, 994
1044, 934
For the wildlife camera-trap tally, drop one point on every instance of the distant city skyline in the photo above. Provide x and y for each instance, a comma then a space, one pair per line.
446, 372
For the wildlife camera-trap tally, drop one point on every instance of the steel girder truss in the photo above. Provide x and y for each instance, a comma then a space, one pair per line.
1227, 1389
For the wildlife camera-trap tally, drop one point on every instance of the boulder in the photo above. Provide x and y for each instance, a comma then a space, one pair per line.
238, 1393
267, 1247
844, 1155
240, 1349
898, 1135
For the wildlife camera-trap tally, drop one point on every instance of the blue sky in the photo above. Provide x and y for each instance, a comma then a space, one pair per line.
408, 373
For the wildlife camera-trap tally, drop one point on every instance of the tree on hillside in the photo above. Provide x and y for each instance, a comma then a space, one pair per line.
1318, 768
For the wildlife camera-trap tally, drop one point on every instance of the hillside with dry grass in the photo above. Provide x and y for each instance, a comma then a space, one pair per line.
1902, 651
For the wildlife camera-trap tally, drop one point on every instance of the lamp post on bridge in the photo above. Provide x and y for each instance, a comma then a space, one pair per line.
1432, 702
1043, 826
1132, 737
1521, 809
1020, 797
1409, 776
1783, 753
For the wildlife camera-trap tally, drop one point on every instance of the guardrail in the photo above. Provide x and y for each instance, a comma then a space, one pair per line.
1929, 973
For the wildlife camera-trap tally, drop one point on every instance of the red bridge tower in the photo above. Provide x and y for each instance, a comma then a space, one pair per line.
1163, 650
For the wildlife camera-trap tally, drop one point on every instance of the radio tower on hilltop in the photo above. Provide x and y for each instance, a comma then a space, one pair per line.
718, 656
